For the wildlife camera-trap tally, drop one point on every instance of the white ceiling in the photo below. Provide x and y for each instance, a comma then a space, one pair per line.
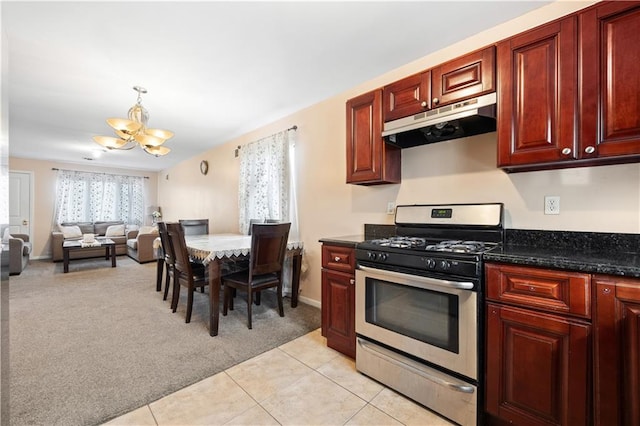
213, 70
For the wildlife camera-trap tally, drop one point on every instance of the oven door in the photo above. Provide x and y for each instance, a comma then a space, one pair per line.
432, 319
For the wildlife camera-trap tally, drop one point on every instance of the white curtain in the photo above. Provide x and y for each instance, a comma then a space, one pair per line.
267, 185
90, 197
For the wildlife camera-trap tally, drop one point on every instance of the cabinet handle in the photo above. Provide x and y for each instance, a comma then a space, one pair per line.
589, 150
423, 104
566, 151
352, 281
435, 101
337, 259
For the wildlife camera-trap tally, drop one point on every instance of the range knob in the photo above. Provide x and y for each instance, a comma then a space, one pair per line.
371, 255
382, 256
431, 264
445, 264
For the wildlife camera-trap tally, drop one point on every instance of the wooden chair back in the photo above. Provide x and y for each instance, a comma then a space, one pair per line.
268, 248
181, 264
195, 226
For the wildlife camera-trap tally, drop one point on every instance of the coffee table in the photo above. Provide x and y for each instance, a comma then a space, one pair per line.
108, 244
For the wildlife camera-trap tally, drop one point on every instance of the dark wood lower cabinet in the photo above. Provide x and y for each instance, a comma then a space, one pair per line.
339, 316
339, 298
537, 368
617, 351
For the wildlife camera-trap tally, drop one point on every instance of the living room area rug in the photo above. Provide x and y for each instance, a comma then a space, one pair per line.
97, 342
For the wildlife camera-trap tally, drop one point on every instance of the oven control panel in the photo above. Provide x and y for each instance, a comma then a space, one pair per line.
449, 264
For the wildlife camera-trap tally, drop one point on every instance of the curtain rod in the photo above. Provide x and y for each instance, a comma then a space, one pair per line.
294, 128
98, 173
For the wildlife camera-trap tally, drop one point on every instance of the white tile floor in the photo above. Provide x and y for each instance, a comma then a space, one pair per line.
302, 382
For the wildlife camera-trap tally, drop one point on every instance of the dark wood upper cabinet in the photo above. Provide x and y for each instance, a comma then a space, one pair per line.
408, 96
468, 76
609, 70
462, 78
537, 95
568, 91
370, 160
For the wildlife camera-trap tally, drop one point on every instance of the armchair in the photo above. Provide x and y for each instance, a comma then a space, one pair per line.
19, 251
140, 244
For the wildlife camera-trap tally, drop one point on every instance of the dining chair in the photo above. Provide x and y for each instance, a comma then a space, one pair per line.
185, 272
268, 247
252, 222
195, 226
166, 260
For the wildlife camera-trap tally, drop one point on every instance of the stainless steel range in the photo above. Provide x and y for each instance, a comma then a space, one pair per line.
419, 301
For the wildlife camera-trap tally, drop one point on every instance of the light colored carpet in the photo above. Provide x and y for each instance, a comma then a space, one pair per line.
97, 342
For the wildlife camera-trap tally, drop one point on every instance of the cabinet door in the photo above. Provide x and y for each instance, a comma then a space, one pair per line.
537, 367
537, 95
463, 78
338, 311
617, 351
609, 58
407, 97
369, 159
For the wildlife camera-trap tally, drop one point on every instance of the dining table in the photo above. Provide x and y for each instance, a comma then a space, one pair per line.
214, 250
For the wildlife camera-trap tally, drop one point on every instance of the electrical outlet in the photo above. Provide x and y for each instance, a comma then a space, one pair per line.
551, 204
391, 207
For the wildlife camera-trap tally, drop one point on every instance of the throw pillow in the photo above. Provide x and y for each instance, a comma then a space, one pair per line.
71, 231
115, 231
6, 235
147, 230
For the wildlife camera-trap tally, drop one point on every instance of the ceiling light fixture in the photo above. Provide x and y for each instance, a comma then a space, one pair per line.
134, 132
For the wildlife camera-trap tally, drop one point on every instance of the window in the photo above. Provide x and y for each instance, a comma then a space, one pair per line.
90, 197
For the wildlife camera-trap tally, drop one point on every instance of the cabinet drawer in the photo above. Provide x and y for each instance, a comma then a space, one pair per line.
542, 289
339, 258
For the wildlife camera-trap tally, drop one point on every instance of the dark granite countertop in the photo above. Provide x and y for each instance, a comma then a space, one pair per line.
589, 252
348, 240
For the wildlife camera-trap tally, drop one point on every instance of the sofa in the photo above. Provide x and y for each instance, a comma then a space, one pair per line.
19, 251
140, 244
114, 230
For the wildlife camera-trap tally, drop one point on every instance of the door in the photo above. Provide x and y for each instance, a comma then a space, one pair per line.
369, 159
537, 367
338, 301
537, 95
463, 78
617, 351
406, 97
20, 194
610, 53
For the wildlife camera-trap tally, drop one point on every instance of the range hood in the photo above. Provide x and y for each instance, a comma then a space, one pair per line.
466, 118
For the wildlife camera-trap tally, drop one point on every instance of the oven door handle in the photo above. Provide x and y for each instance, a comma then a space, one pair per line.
461, 285
380, 352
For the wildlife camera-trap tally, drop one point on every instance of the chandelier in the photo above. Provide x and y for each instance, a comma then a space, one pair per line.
134, 132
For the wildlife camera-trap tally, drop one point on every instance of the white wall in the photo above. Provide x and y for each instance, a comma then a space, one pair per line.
605, 198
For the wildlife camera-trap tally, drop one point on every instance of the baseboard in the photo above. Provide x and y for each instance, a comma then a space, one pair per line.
308, 301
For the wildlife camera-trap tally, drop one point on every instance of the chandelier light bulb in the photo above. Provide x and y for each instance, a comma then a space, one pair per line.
133, 131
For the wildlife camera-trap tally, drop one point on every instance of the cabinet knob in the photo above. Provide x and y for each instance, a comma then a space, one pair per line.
337, 258
531, 288
566, 151
606, 290
435, 101
423, 104
589, 150
352, 281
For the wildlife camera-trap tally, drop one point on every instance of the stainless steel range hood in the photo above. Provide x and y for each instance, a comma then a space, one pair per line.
466, 118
